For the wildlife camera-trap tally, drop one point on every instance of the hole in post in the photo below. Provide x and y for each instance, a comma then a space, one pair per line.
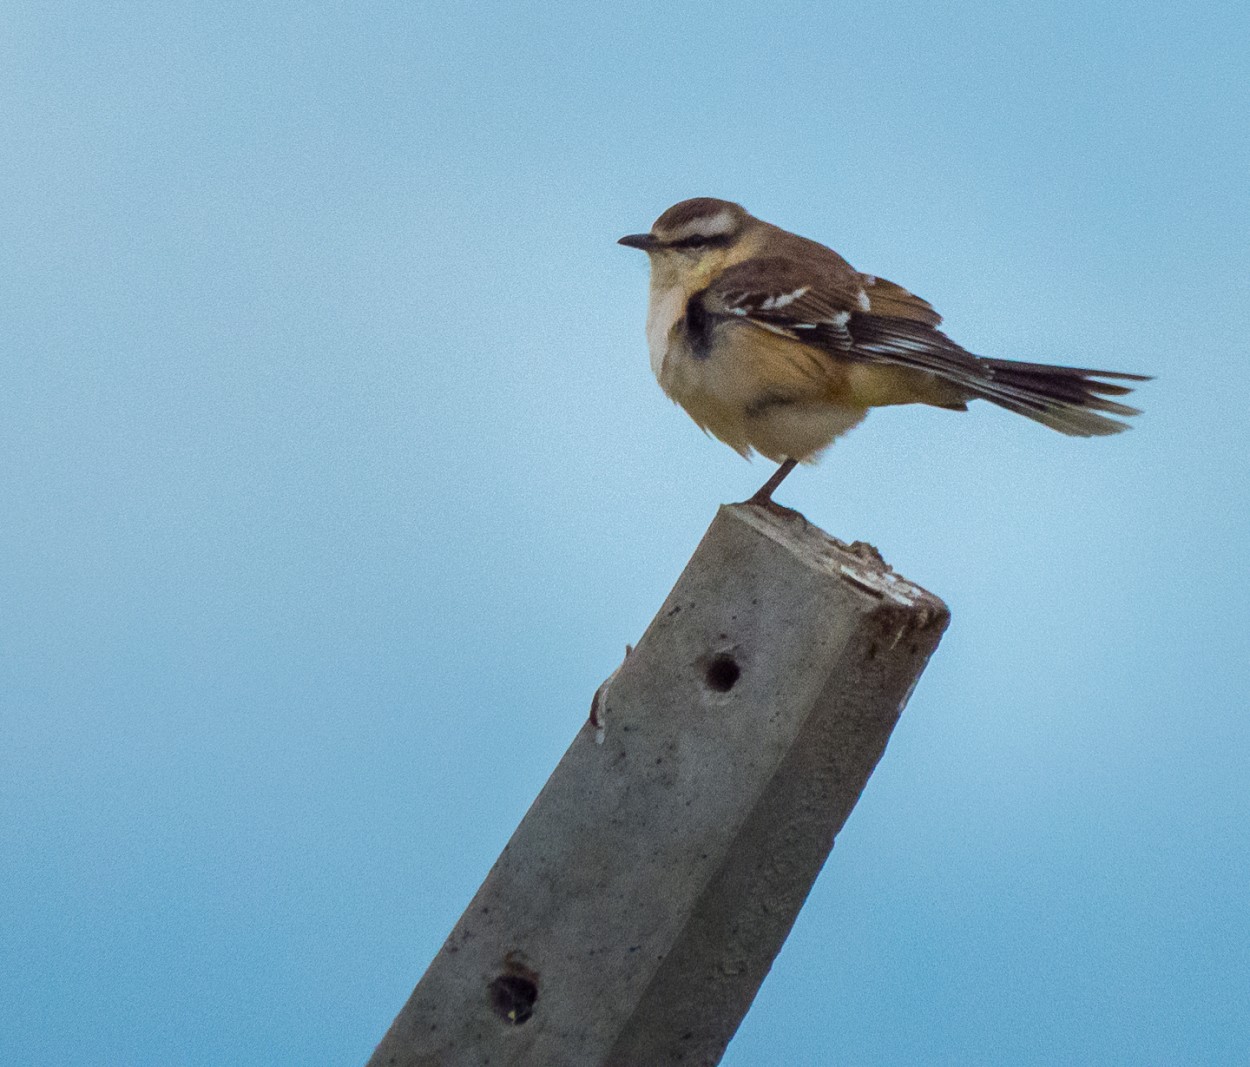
512, 997
721, 672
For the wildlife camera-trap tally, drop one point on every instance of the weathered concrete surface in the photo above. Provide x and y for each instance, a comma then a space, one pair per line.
640, 903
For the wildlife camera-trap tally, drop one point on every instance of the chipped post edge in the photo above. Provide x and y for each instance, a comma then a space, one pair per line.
643, 898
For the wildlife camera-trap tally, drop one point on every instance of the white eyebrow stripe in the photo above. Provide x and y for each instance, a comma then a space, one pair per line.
705, 226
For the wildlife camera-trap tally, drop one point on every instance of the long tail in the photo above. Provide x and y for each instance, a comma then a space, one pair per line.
1067, 399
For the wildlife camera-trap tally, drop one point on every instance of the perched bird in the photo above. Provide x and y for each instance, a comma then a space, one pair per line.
776, 344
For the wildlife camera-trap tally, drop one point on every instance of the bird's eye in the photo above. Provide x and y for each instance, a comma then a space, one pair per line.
700, 240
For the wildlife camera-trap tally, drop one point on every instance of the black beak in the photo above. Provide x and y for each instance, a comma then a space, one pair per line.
645, 241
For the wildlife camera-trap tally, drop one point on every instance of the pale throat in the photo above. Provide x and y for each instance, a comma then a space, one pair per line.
666, 308
671, 290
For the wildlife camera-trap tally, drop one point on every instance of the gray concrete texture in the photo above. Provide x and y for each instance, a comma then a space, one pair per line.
639, 905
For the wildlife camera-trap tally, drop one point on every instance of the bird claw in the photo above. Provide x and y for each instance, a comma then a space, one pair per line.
768, 504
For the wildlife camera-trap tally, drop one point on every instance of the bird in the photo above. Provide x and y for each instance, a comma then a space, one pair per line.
773, 343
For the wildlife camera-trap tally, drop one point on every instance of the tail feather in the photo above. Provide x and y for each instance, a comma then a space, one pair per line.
1067, 399
1072, 400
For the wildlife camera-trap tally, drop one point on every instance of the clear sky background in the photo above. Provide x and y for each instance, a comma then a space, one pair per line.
334, 480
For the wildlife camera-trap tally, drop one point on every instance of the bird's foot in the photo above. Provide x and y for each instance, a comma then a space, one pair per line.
765, 501
763, 497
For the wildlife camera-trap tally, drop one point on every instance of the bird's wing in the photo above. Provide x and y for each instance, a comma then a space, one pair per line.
886, 298
788, 297
827, 306
831, 306
836, 310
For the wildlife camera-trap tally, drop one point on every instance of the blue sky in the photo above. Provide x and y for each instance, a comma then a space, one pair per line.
335, 480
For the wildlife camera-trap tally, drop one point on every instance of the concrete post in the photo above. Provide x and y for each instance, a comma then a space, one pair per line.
640, 903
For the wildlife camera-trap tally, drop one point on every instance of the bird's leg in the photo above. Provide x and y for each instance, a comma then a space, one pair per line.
764, 497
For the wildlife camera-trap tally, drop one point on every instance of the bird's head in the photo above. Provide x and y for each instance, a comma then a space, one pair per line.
694, 235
